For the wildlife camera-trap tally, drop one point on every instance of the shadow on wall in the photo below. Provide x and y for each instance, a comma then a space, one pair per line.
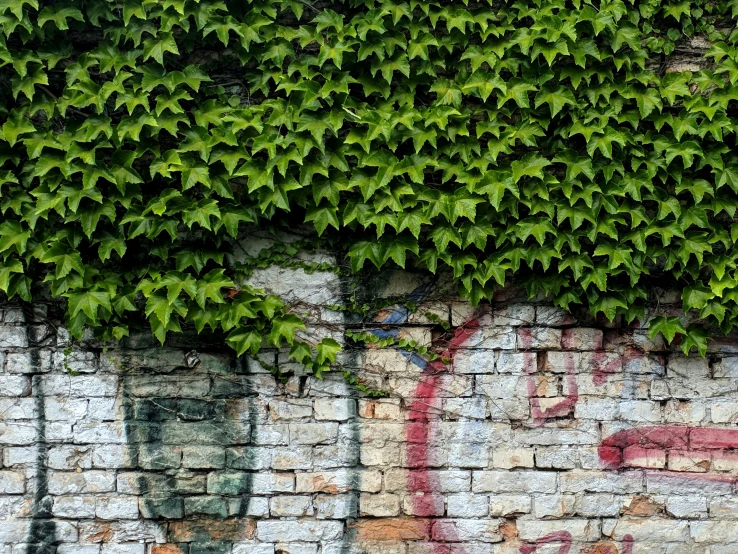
41, 536
188, 434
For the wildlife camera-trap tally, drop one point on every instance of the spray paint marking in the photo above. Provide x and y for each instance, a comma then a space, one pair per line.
422, 483
563, 537
651, 446
41, 536
600, 374
562, 408
565, 540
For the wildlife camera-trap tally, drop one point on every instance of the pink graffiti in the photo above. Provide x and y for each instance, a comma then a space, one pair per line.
601, 373
565, 538
649, 447
423, 484
540, 416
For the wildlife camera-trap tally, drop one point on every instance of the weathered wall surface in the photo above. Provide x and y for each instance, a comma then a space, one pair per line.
545, 434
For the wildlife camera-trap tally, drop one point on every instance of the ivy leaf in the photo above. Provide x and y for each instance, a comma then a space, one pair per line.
27, 84
210, 286
328, 350
88, 302
59, 16
242, 341
696, 297
17, 124
555, 98
609, 305
7, 269
322, 217
667, 326
531, 165
538, 227
284, 328
155, 47
696, 337
13, 237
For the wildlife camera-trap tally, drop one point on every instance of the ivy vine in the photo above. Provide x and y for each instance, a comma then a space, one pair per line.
547, 143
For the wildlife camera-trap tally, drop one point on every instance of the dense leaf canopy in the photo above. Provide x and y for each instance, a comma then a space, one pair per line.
548, 143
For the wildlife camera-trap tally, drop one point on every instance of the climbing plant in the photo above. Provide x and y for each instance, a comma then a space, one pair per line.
549, 144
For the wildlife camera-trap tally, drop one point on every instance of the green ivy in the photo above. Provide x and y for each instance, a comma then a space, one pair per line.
542, 143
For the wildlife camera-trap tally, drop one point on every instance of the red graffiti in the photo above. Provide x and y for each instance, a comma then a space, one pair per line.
602, 370
563, 537
650, 447
423, 484
562, 408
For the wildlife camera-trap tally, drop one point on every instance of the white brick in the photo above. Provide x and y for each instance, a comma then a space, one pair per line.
514, 481
335, 409
13, 337
280, 506
553, 505
84, 482
307, 531
117, 507
580, 529
508, 458
508, 504
379, 505
687, 507
12, 482
467, 505
15, 385
123, 548
74, 506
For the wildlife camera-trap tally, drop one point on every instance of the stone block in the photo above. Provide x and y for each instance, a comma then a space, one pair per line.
203, 457
76, 361
339, 482
651, 530
687, 506
553, 505
70, 457
14, 386
79, 386
379, 409
598, 505
13, 337
214, 506
112, 456
24, 362
123, 548
539, 338
12, 482
301, 530
334, 409
581, 338
501, 505
514, 481
117, 507
290, 506
78, 507
579, 529
466, 505
508, 457
335, 506
100, 432
78, 483
313, 433
379, 505
297, 408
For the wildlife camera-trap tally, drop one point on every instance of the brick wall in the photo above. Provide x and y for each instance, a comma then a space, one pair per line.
547, 433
